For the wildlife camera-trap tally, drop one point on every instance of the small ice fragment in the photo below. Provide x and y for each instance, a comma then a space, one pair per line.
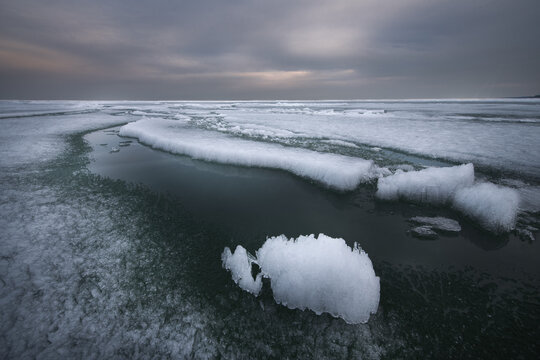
114, 149
95, 293
525, 234
438, 223
424, 232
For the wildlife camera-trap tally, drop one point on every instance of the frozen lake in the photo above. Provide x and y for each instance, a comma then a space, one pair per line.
114, 217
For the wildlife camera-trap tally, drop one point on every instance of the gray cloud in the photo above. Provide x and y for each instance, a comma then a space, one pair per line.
268, 49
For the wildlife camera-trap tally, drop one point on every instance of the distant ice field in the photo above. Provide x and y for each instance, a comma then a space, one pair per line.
496, 134
500, 135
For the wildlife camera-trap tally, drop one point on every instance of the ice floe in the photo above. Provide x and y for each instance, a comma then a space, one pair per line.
494, 207
321, 274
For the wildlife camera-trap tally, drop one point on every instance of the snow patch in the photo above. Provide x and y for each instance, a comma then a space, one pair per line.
322, 274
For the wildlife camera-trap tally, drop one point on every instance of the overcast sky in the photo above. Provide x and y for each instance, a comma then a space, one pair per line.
265, 49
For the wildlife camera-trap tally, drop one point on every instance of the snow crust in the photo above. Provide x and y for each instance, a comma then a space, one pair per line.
494, 207
336, 171
321, 274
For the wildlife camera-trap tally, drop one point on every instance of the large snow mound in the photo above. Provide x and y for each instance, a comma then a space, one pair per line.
494, 207
336, 171
431, 185
322, 274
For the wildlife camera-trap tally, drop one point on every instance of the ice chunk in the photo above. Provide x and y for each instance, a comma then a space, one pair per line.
432, 185
424, 232
494, 207
239, 264
438, 223
322, 274
336, 171
525, 234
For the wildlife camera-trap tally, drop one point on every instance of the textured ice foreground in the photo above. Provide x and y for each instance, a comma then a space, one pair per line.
322, 274
336, 171
494, 207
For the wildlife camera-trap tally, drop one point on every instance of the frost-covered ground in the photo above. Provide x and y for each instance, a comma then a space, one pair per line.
95, 267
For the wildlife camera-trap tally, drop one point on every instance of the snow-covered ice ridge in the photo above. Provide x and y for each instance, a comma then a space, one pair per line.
494, 207
321, 274
176, 136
